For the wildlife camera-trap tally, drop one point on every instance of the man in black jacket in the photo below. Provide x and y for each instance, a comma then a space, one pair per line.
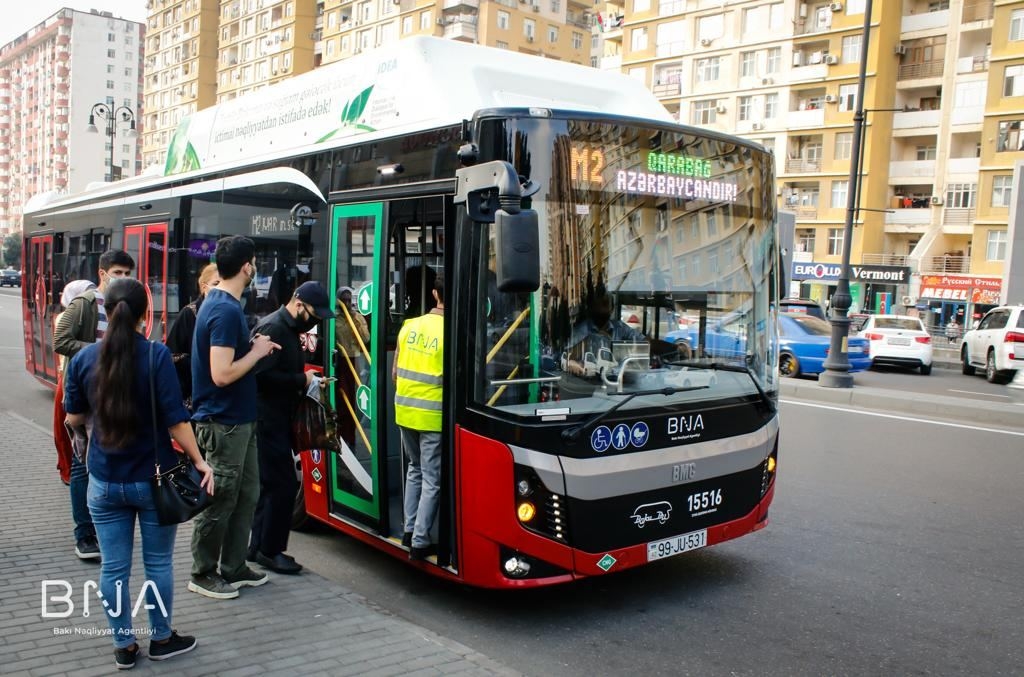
281, 383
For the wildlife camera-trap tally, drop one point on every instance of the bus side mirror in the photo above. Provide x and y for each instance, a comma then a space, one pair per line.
517, 250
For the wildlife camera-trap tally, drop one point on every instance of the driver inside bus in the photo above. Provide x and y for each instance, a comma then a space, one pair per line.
598, 329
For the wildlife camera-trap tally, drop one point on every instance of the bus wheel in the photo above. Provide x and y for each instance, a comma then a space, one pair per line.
300, 520
788, 365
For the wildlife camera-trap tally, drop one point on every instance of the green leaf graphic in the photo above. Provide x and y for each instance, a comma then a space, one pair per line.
354, 110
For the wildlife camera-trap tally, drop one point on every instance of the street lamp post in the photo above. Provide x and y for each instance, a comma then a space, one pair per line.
837, 364
111, 115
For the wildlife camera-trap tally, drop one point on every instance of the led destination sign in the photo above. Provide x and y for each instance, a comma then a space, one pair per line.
668, 185
673, 163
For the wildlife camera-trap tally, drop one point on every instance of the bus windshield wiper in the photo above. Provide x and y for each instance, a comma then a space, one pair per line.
572, 434
729, 366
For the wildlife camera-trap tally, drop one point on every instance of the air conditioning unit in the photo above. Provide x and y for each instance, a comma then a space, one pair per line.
719, 108
766, 81
536, 8
831, 98
836, 7
831, 60
757, 126
440, 22
705, 42
900, 49
529, 38
907, 300
936, 200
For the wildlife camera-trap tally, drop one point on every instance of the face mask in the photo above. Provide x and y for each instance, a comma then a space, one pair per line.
306, 323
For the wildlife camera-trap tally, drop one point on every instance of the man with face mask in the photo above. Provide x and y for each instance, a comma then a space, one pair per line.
281, 382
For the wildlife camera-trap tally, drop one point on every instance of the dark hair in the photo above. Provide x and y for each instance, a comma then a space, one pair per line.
114, 392
232, 253
439, 285
116, 257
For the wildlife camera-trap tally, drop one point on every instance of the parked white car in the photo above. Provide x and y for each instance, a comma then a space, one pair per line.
899, 340
996, 345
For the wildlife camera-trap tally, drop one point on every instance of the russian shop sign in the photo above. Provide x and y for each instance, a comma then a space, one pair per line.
976, 288
829, 272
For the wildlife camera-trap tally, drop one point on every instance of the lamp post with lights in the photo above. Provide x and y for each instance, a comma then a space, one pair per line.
112, 115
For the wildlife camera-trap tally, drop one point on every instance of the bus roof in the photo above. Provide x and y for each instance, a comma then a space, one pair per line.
416, 84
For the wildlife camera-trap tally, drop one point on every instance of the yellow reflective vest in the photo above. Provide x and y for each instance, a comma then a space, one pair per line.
418, 391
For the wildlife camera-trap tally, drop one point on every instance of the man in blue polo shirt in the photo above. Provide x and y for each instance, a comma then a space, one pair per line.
224, 401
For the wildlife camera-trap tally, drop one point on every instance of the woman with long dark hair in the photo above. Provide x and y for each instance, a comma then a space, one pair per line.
108, 383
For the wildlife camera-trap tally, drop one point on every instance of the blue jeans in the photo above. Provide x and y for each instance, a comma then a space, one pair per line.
79, 500
422, 483
114, 507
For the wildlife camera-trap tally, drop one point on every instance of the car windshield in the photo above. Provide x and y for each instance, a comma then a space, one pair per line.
805, 324
905, 323
641, 289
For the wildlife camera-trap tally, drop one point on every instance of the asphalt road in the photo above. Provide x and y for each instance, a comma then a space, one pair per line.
894, 548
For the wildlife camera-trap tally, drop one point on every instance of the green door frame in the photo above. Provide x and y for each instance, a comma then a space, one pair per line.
340, 213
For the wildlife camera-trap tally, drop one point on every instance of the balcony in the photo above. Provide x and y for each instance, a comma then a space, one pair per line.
807, 73
803, 166
805, 213
611, 63
461, 5
945, 264
972, 64
958, 220
924, 22
806, 118
977, 10
916, 119
666, 89
883, 260
963, 165
924, 69
909, 171
909, 218
463, 28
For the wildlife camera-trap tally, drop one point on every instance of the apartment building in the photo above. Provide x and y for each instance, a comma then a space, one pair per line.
51, 78
940, 140
558, 29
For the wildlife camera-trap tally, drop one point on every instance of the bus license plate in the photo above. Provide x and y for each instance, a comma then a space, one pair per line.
676, 545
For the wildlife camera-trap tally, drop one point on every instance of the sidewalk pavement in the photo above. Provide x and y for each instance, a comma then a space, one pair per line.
292, 625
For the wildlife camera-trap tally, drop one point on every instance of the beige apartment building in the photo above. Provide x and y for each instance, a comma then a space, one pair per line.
202, 52
945, 102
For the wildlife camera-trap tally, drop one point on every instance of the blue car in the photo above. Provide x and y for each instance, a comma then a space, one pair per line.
804, 342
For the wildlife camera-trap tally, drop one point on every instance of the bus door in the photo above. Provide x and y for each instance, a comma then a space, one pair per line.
37, 288
355, 473
148, 245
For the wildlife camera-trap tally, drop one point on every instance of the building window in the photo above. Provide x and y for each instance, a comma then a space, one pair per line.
669, 38
774, 60
710, 27
641, 5
855, 6
425, 19
805, 240
708, 69
704, 112
529, 29
501, 45
110, 84
638, 39
577, 40
1013, 81
1017, 24
851, 49
712, 221
552, 34
503, 20
556, 6
407, 24
960, 195
925, 152
769, 144
839, 193
1001, 190
847, 97
844, 145
1009, 138
669, 7
111, 53
835, 241
110, 68
748, 64
771, 106
746, 104
995, 247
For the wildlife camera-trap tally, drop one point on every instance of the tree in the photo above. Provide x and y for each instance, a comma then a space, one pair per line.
12, 250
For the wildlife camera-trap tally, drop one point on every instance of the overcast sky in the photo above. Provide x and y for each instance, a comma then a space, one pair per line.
20, 15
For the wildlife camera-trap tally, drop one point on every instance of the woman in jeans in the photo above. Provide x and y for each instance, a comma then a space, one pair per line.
109, 383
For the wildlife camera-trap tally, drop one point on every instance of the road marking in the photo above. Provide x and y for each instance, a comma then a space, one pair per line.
904, 418
972, 392
29, 422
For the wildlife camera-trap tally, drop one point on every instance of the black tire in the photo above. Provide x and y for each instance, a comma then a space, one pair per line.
789, 366
991, 375
926, 369
301, 521
965, 362
684, 350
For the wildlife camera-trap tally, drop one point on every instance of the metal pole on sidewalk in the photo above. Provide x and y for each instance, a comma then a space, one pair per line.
837, 364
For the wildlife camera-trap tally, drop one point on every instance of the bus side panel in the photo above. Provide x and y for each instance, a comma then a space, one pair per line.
487, 516
315, 491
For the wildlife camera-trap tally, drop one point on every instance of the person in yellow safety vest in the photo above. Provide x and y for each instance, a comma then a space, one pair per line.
417, 375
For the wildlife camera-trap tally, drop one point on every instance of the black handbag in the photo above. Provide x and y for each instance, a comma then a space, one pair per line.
177, 493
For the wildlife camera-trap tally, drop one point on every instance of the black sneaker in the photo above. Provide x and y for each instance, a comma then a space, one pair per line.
247, 578
407, 539
421, 554
171, 647
280, 563
213, 586
124, 659
87, 548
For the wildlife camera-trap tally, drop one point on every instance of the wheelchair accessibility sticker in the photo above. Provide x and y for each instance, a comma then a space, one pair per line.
601, 439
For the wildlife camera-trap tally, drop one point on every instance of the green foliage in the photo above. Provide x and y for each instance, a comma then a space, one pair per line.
12, 251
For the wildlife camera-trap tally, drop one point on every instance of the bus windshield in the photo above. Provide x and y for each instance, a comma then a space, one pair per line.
657, 262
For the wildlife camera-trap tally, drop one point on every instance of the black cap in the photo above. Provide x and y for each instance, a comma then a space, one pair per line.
316, 296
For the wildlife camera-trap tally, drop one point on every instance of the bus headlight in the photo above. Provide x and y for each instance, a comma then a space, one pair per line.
517, 567
538, 508
524, 488
526, 511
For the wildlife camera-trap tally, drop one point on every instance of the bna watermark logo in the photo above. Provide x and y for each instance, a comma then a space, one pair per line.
58, 599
